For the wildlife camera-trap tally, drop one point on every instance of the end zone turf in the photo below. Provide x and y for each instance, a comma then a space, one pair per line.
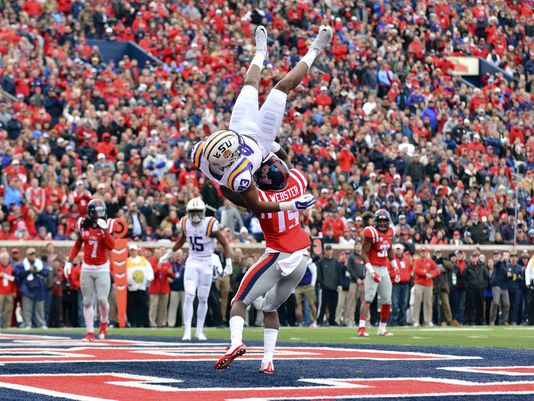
126, 368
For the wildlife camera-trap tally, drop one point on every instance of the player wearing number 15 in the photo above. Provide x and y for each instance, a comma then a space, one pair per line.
94, 233
376, 250
200, 232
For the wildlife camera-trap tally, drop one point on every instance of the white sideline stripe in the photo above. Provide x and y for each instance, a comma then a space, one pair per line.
490, 370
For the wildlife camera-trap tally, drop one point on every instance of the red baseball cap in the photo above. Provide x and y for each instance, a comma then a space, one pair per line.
424, 249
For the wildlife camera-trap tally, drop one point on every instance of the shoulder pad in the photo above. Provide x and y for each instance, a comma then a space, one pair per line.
183, 224
240, 178
212, 227
79, 224
196, 153
370, 234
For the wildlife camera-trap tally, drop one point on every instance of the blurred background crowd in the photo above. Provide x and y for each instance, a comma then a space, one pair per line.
379, 123
435, 288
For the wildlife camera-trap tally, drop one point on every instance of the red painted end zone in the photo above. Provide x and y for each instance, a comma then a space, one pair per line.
199, 353
122, 387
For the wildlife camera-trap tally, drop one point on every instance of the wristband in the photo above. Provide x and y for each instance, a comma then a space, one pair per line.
283, 206
228, 262
369, 268
394, 264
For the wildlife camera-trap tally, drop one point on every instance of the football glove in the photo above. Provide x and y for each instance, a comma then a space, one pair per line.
165, 258
67, 269
376, 277
228, 269
303, 202
102, 224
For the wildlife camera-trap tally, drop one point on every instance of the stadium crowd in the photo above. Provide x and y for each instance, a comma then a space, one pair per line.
434, 288
380, 123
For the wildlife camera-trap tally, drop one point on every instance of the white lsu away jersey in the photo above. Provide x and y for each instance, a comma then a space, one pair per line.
238, 176
201, 237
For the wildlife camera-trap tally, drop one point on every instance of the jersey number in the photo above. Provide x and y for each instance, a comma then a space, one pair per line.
246, 150
384, 246
195, 244
94, 245
292, 217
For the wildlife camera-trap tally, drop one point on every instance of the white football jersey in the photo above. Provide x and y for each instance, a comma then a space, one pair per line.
201, 237
237, 176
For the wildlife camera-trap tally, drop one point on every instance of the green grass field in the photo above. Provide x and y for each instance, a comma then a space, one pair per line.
483, 336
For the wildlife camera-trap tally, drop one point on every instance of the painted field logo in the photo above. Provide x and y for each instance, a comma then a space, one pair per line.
185, 372
123, 387
203, 353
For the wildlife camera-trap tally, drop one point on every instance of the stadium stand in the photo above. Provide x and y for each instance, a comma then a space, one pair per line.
381, 123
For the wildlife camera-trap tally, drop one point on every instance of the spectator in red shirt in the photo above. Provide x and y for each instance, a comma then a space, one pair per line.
72, 315
159, 289
425, 270
335, 223
107, 147
400, 296
7, 290
346, 159
323, 99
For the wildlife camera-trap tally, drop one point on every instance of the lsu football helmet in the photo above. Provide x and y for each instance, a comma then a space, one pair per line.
223, 147
382, 220
196, 209
272, 175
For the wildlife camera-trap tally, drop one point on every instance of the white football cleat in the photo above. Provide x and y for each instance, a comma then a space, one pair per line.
267, 368
261, 40
201, 337
323, 39
384, 333
187, 335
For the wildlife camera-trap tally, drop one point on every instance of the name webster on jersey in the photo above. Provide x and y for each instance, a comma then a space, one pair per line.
288, 194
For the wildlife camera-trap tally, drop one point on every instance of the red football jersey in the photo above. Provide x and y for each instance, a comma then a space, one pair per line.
96, 243
380, 243
282, 230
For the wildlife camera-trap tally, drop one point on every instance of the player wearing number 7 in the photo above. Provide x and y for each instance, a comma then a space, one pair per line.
231, 157
94, 233
200, 231
376, 250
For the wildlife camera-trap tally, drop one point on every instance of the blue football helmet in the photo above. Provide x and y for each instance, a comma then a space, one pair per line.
272, 175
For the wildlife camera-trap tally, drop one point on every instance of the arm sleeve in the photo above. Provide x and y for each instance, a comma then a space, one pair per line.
75, 249
109, 241
149, 271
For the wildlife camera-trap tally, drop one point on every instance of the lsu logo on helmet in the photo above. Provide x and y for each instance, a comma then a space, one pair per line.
223, 148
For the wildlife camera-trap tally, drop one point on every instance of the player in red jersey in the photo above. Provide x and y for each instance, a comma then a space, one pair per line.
94, 233
376, 250
279, 270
